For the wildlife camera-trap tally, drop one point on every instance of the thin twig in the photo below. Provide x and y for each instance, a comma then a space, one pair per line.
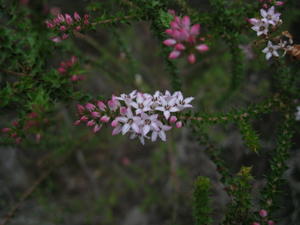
13, 73
25, 195
113, 20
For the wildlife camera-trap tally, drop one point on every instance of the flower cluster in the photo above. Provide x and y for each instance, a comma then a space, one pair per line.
66, 24
141, 115
268, 23
264, 218
29, 124
66, 69
184, 38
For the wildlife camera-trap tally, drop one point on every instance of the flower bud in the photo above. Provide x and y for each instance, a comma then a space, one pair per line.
202, 48
174, 54
192, 58
76, 16
173, 119
169, 42
179, 124
263, 213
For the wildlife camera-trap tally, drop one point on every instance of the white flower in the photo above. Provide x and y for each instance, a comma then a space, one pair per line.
149, 123
271, 50
129, 122
183, 103
127, 98
270, 16
140, 136
261, 27
160, 132
142, 104
167, 106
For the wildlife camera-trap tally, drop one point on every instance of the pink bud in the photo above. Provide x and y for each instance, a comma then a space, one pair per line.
64, 36
24, 2
80, 108
13, 135
69, 19
55, 39
63, 28
179, 124
169, 42
172, 12
86, 19
174, 54
252, 20
255, 223
74, 78
202, 48
192, 58
114, 123
123, 110
90, 107
179, 47
60, 18
95, 114
104, 119
15, 123
77, 122
38, 137
125, 161
61, 70
96, 128
265, 6
263, 213
173, 119
101, 105
84, 118
279, 3
91, 123
32, 115
73, 60
78, 28
195, 29
76, 16
271, 222
169, 31
49, 24
18, 140
113, 103
6, 129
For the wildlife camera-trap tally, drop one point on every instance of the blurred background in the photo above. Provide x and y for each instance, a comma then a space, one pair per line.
84, 178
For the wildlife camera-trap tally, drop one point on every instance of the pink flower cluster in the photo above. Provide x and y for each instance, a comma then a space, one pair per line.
66, 68
184, 37
264, 218
267, 3
66, 24
21, 127
141, 115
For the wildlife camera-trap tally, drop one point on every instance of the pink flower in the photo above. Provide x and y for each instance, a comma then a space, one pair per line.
84, 118
113, 104
279, 3
63, 28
